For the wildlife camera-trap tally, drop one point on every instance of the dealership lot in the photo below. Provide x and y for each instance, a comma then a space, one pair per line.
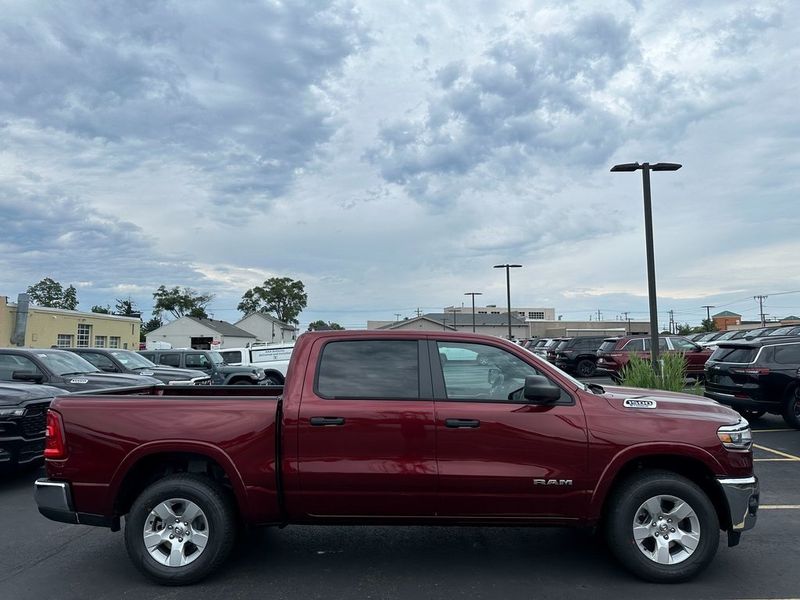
44, 559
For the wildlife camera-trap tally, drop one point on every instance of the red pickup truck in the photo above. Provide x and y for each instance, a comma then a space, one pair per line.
402, 428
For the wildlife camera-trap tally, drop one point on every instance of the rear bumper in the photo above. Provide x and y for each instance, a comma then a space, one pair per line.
742, 497
735, 401
54, 500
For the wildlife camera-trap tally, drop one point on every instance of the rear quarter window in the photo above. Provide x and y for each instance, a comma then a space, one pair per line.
787, 355
607, 346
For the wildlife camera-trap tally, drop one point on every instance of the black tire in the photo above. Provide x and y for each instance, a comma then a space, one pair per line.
791, 408
274, 379
242, 381
217, 510
751, 415
585, 367
624, 506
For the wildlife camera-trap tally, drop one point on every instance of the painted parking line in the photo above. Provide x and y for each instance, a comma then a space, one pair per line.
785, 455
779, 507
771, 430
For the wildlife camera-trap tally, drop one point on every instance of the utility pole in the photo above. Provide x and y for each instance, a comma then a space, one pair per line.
473, 294
708, 308
628, 328
599, 315
419, 312
397, 316
761, 307
671, 321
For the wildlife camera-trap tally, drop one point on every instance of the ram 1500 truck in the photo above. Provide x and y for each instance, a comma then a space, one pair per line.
402, 428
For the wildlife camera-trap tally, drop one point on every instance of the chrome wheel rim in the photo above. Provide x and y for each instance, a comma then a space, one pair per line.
666, 529
176, 532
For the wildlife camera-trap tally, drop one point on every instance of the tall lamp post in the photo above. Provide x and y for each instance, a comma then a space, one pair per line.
508, 267
648, 236
473, 294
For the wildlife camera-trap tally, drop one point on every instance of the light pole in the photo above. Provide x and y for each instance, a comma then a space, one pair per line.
473, 294
507, 267
648, 236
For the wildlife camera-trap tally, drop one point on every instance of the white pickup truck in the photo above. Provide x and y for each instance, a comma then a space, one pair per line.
273, 358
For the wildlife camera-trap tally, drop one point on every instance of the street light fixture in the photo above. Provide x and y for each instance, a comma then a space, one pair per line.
473, 294
507, 267
648, 235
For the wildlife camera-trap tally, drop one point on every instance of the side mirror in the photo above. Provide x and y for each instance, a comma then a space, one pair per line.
109, 369
31, 376
539, 390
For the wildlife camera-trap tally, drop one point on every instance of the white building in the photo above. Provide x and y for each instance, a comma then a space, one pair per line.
200, 334
267, 328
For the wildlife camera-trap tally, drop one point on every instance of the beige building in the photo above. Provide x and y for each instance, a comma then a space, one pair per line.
28, 326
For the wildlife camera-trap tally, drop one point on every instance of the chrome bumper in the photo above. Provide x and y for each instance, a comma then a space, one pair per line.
54, 500
742, 497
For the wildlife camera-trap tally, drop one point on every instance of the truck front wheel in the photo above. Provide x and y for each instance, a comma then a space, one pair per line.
662, 527
180, 529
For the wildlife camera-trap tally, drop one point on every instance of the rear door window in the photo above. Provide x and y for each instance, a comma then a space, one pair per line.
170, 360
636, 345
377, 369
197, 360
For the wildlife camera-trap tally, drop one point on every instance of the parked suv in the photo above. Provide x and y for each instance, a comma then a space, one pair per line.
208, 361
757, 376
550, 353
128, 361
579, 355
23, 416
62, 369
614, 353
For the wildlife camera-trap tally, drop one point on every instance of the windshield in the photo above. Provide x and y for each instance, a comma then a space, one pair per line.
66, 363
562, 345
727, 335
216, 358
131, 360
780, 331
607, 346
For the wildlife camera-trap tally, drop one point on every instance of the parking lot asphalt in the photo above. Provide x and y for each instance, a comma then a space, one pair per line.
43, 559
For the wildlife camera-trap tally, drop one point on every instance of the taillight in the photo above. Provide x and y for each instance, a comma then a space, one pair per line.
54, 444
751, 371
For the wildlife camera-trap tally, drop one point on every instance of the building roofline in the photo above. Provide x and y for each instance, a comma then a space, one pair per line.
75, 313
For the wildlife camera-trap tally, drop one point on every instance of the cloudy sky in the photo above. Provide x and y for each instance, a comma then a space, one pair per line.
388, 153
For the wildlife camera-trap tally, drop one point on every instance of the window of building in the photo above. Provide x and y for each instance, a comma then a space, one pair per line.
100, 341
84, 335
481, 312
536, 314
113, 341
495, 312
64, 340
369, 369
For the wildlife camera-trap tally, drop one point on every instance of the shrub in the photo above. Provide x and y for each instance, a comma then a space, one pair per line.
639, 373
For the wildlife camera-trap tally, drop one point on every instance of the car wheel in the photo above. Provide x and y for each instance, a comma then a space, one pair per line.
791, 410
751, 415
662, 527
180, 529
585, 368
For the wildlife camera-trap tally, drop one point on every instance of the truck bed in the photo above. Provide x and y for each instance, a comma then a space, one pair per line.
115, 434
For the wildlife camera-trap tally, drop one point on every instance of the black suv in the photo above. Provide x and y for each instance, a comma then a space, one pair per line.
579, 355
23, 417
62, 369
757, 376
128, 361
210, 362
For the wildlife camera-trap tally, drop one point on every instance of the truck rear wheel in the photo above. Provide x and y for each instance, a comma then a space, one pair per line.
585, 368
791, 409
180, 529
662, 527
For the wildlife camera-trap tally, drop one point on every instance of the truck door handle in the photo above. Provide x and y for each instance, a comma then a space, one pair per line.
462, 423
326, 421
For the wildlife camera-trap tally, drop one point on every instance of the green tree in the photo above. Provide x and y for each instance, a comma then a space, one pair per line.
324, 326
708, 325
280, 296
126, 307
180, 302
51, 293
104, 310
149, 326
685, 329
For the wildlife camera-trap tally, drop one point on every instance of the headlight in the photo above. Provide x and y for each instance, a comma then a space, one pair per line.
12, 412
736, 437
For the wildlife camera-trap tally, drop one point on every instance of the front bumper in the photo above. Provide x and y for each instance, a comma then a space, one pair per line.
54, 500
20, 451
742, 497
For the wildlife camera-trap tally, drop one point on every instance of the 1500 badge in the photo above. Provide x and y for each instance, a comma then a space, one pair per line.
77, 380
639, 403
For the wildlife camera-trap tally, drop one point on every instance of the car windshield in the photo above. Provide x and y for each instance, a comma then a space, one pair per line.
562, 345
66, 363
726, 336
131, 360
216, 358
607, 346
781, 331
